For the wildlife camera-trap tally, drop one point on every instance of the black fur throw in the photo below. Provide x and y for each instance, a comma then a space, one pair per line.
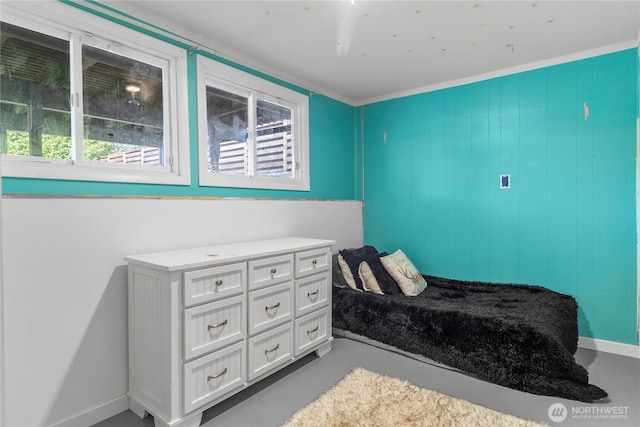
519, 336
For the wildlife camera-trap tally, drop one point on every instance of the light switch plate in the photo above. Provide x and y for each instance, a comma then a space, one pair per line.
505, 181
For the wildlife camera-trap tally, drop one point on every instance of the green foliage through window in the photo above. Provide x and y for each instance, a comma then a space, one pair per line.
55, 147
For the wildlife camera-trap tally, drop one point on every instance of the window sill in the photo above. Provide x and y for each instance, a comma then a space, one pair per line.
210, 179
60, 169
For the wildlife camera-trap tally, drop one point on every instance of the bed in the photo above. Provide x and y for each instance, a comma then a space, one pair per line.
519, 336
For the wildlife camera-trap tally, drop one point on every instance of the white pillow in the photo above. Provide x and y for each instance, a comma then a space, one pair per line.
346, 272
405, 273
369, 281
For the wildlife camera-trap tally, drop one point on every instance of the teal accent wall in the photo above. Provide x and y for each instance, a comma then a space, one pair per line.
335, 166
568, 222
335, 152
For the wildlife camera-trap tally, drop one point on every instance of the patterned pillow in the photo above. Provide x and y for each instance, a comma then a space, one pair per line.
376, 277
405, 273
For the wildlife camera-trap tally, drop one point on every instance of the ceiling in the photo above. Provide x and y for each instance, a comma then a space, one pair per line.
364, 50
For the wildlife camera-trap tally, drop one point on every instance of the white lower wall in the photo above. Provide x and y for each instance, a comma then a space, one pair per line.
65, 285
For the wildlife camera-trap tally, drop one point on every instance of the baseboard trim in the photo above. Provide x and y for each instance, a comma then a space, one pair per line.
605, 346
97, 414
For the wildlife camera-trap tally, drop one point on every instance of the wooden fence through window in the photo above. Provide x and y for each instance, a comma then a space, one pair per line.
141, 155
274, 152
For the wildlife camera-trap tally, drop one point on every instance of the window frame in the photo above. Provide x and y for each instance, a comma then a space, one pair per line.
211, 73
53, 19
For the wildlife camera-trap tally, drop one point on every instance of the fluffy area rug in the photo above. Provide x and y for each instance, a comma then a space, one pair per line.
364, 398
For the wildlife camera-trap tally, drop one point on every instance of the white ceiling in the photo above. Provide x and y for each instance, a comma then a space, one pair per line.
372, 50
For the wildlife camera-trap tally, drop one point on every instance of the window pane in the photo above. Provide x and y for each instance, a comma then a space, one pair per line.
123, 109
227, 131
274, 141
35, 117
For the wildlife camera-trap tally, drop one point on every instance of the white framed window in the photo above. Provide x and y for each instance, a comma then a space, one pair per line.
84, 98
252, 133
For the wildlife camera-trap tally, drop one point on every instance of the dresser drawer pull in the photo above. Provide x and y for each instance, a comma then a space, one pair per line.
213, 377
219, 282
217, 325
270, 350
273, 271
267, 308
313, 330
314, 262
312, 294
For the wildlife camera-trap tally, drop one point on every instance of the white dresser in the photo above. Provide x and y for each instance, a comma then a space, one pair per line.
208, 322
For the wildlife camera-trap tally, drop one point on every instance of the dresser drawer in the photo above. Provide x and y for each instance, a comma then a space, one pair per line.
210, 326
312, 329
269, 271
313, 261
209, 284
312, 292
270, 349
270, 306
214, 375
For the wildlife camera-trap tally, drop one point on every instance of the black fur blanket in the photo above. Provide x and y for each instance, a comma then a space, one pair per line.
519, 336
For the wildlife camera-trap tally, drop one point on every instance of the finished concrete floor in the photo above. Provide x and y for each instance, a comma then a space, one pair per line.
273, 400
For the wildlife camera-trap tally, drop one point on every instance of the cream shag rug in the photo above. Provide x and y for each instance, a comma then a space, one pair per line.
363, 398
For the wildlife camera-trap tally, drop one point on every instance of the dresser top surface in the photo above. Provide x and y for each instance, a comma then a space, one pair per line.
222, 254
